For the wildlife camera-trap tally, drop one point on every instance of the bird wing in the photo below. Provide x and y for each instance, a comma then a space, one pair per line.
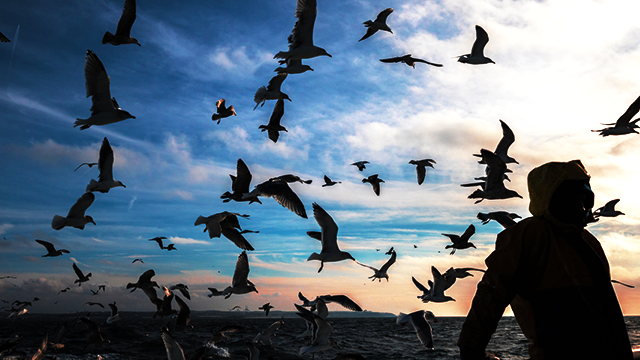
49, 246
393, 59
183, 315
78, 272
302, 298
453, 237
283, 194
383, 15
302, 33
322, 309
323, 331
126, 19
426, 62
81, 205
623, 121
367, 266
236, 237
423, 329
507, 139
243, 178
97, 84
496, 169
343, 300
369, 33
422, 172
105, 162
389, 262
327, 180
482, 38
610, 206
329, 229
315, 235
276, 82
467, 234
276, 115
174, 350
272, 328
438, 281
220, 107
146, 276
419, 285
114, 309
241, 273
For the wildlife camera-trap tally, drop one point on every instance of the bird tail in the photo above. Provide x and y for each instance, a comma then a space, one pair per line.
281, 55
107, 38
200, 220
366, 23
58, 222
259, 96
227, 196
402, 318
315, 256
478, 194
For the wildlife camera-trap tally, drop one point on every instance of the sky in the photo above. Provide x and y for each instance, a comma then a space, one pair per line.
561, 69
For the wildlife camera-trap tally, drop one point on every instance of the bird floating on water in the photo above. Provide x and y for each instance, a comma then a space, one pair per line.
104, 109
123, 31
477, 51
380, 23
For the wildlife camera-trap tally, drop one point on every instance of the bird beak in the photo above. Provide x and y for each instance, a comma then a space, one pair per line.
133, 116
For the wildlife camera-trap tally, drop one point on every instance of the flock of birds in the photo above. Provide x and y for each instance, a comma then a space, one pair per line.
105, 110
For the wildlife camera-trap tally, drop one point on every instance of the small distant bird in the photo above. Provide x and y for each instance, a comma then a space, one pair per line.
123, 31
4, 38
375, 183
223, 111
102, 287
503, 218
94, 304
608, 210
76, 217
477, 51
280, 191
159, 239
104, 109
51, 250
624, 125
415, 246
271, 91
240, 185
171, 247
94, 292
266, 307
360, 164
114, 313
329, 182
274, 127
64, 290
508, 138
105, 165
380, 23
409, 60
90, 165
138, 259
382, 272
421, 168
293, 66
184, 290
329, 238
419, 321
301, 38
461, 241
81, 277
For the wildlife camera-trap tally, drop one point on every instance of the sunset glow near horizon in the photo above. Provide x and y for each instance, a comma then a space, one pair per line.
557, 77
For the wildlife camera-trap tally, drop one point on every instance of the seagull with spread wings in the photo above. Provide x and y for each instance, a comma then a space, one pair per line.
81, 277
123, 31
105, 165
608, 210
280, 191
51, 249
375, 181
273, 128
382, 272
104, 109
624, 125
380, 23
271, 91
409, 60
329, 237
477, 50
461, 241
418, 320
421, 168
301, 38
329, 182
504, 218
240, 283
508, 138
222, 111
240, 184
493, 188
76, 217
225, 223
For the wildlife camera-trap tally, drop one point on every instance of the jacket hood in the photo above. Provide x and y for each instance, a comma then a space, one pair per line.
545, 179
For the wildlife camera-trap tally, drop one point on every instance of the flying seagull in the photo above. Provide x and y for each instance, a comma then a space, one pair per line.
184, 290
477, 51
266, 307
508, 138
409, 60
123, 31
51, 250
624, 125
329, 182
105, 165
240, 185
503, 218
104, 109
271, 91
330, 251
375, 183
81, 277
280, 191
382, 272
418, 320
437, 287
461, 241
421, 168
222, 111
274, 127
360, 164
159, 239
225, 223
76, 217
94, 304
90, 165
294, 66
320, 340
301, 38
493, 188
138, 259
240, 283
380, 23
608, 210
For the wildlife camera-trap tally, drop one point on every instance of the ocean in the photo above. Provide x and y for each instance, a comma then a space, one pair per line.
137, 336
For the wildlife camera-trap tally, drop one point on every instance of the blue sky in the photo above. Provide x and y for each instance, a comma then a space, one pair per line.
557, 76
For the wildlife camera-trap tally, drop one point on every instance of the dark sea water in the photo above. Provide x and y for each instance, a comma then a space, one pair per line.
137, 336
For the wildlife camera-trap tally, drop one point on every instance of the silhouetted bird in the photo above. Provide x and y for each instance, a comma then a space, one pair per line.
375, 183
271, 91
421, 168
301, 38
461, 241
51, 250
76, 217
409, 60
240, 185
123, 31
222, 111
477, 51
274, 127
105, 165
624, 125
380, 23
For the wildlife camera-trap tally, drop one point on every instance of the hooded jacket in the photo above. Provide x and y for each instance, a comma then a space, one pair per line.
556, 278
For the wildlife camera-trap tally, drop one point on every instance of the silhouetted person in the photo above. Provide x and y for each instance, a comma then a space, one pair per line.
554, 274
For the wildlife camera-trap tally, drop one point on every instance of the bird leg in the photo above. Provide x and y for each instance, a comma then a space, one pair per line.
321, 266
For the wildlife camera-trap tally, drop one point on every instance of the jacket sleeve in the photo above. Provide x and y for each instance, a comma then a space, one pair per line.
505, 272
